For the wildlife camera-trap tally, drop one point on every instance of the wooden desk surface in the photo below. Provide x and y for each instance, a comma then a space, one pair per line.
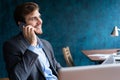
101, 51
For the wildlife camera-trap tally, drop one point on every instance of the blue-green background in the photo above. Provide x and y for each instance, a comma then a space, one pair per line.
79, 24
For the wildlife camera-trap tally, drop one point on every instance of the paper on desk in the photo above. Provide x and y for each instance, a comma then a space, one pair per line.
102, 55
117, 57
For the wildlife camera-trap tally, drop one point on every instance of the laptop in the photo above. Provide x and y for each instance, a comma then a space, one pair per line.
93, 72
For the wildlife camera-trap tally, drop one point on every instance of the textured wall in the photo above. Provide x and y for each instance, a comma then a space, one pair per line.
79, 24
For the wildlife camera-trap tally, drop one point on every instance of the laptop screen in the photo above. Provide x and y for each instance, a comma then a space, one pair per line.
94, 72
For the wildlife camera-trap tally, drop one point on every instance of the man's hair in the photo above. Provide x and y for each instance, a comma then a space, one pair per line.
24, 9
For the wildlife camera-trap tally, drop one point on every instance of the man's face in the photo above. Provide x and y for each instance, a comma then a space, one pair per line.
34, 19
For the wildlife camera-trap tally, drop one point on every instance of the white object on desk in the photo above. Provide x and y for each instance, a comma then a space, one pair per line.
117, 57
103, 56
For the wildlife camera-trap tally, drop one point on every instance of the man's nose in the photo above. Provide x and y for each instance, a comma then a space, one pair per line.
39, 21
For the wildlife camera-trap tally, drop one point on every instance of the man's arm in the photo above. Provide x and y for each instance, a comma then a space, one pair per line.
18, 64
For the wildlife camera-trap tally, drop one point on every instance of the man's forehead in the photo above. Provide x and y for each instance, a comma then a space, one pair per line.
34, 14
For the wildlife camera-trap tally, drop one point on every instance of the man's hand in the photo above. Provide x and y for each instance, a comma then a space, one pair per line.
29, 34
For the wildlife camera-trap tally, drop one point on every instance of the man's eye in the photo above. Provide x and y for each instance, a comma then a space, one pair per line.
34, 18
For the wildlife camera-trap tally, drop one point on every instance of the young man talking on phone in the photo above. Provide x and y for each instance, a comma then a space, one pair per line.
28, 57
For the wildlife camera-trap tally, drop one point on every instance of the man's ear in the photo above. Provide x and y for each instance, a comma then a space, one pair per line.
21, 25
18, 22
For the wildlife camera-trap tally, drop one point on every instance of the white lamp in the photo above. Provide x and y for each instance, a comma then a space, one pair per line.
115, 31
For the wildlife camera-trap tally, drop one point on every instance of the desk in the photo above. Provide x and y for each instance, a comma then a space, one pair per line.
102, 51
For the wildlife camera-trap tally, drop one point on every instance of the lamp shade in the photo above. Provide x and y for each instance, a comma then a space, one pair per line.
115, 31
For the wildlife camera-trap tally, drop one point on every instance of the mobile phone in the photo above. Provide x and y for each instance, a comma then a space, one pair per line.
21, 25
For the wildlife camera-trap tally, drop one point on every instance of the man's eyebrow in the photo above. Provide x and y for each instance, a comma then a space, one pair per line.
36, 16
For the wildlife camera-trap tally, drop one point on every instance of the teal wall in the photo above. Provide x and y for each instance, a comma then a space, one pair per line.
79, 24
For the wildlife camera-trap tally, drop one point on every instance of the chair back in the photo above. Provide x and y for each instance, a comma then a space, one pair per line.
67, 56
4, 78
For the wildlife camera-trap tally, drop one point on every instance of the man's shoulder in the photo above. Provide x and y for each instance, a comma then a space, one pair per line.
14, 38
45, 42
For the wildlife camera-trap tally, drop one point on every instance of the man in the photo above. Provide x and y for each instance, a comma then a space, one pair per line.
28, 57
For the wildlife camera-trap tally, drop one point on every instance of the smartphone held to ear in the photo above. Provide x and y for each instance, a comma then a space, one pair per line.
21, 25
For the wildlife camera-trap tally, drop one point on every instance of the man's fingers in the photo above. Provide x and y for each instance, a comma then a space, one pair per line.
29, 34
